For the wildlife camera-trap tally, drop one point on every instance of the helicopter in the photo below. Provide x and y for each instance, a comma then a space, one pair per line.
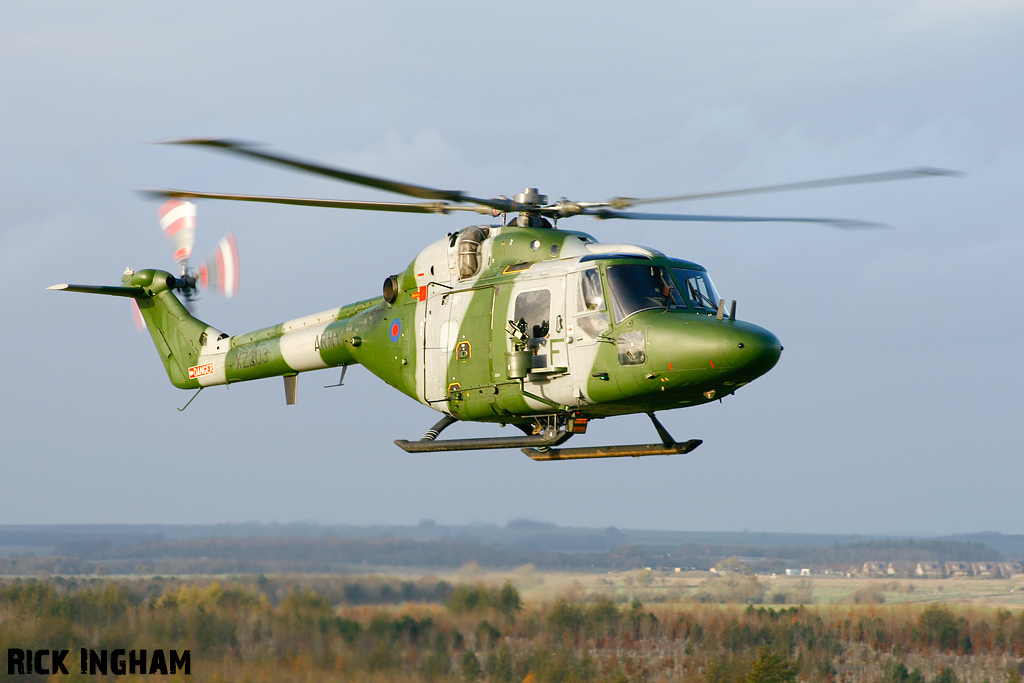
517, 323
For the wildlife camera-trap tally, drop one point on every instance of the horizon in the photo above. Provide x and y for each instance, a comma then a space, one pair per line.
510, 523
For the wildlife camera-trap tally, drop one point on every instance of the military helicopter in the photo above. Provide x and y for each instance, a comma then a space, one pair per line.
519, 323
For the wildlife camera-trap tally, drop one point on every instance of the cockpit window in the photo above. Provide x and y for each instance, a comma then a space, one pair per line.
590, 313
640, 288
698, 288
591, 296
631, 349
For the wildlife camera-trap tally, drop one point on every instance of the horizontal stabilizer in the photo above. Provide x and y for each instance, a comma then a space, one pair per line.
130, 292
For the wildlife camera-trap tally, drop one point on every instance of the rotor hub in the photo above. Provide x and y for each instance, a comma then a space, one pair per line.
531, 196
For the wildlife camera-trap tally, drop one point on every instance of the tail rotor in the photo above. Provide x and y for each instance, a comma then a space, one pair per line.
140, 322
219, 272
178, 221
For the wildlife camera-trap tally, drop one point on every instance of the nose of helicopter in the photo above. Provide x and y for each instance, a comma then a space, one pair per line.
741, 350
749, 349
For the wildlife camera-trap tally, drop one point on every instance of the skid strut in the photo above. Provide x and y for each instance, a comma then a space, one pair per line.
668, 446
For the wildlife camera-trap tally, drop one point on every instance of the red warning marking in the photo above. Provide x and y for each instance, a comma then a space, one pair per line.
200, 370
669, 366
712, 364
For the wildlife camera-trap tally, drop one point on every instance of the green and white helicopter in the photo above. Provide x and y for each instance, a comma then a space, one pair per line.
517, 323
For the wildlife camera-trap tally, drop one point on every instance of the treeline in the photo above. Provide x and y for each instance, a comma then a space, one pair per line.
269, 554
289, 628
84, 540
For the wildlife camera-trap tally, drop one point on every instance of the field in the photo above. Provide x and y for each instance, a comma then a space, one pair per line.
681, 587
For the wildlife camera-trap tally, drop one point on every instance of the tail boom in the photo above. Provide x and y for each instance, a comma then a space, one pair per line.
197, 355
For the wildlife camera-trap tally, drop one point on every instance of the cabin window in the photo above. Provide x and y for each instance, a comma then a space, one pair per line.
641, 288
631, 348
698, 287
533, 312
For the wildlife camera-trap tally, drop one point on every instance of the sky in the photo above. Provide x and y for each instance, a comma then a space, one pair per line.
895, 407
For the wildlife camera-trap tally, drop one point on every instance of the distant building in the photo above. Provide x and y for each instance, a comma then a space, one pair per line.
874, 569
930, 570
957, 569
1008, 570
984, 569
901, 568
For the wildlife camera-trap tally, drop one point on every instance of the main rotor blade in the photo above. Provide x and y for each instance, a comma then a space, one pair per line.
246, 149
906, 174
431, 207
834, 222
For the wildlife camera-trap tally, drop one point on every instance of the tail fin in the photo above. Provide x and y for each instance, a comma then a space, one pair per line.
178, 336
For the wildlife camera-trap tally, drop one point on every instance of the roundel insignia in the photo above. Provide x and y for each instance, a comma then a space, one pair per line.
396, 329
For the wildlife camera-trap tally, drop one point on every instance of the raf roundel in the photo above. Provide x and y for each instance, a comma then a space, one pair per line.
396, 329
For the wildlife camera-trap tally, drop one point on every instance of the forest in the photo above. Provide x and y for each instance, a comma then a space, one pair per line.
383, 628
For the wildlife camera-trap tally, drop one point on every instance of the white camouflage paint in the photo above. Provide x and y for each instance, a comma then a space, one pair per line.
300, 341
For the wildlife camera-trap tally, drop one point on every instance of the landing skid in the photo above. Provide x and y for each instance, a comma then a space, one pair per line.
540, 446
612, 451
547, 439
430, 444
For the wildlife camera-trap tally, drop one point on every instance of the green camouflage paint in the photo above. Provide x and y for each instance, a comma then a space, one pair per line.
442, 340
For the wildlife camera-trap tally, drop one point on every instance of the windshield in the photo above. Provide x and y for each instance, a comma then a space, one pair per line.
698, 288
641, 288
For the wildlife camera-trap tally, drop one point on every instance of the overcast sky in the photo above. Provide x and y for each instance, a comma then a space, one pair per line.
896, 406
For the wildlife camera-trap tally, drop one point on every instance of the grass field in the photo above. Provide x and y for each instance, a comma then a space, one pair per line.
677, 587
